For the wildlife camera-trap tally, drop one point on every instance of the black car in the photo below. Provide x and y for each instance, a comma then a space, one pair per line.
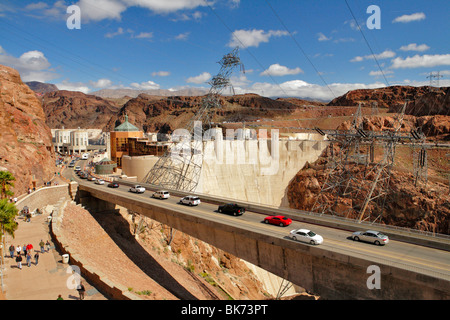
231, 208
113, 185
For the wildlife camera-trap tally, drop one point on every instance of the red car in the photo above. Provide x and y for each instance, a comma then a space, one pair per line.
281, 221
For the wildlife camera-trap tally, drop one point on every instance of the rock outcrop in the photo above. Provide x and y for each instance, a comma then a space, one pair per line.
72, 109
419, 207
388, 97
25, 139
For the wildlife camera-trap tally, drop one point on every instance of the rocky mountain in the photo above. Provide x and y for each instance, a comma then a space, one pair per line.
118, 93
25, 139
40, 87
435, 102
156, 114
388, 97
425, 208
73, 109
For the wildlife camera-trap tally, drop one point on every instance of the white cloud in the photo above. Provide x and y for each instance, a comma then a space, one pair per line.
384, 55
182, 36
73, 86
252, 38
144, 35
415, 47
97, 10
302, 89
379, 73
101, 83
31, 65
161, 73
148, 85
418, 61
279, 70
164, 6
411, 17
201, 78
323, 37
115, 34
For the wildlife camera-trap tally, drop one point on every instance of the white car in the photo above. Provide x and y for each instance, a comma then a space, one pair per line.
190, 200
305, 235
100, 181
375, 237
137, 189
161, 194
77, 168
91, 178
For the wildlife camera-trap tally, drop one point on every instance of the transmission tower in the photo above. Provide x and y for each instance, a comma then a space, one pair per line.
180, 167
355, 181
434, 80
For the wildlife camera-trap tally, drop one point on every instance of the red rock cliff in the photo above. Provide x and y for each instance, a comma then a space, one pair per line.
25, 139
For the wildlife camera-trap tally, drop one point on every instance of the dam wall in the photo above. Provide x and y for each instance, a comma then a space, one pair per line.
251, 169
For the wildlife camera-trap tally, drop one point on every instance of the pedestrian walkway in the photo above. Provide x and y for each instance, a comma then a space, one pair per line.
46, 280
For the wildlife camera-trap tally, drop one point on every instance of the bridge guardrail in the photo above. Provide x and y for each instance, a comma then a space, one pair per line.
436, 240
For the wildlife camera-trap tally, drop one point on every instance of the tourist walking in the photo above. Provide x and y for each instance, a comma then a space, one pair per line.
18, 249
36, 258
24, 248
29, 259
48, 245
42, 244
11, 251
81, 290
19, 261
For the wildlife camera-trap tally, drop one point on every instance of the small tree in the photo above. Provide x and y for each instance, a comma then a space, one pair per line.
6, 182
8, 211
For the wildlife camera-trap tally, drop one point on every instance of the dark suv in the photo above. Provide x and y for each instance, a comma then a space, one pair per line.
231, 208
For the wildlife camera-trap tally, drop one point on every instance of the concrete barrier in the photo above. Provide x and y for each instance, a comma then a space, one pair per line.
428, 239
329, 274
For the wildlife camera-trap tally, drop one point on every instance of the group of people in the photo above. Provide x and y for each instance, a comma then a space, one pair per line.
28, 253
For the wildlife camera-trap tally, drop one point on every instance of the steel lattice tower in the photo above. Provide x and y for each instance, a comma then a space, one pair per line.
180, 167
356, 181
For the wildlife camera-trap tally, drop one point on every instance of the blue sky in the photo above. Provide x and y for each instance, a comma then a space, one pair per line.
306, 48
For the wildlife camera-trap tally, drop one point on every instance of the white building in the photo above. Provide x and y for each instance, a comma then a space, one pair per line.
79, 141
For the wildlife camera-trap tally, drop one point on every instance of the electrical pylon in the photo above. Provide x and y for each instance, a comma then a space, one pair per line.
180, 167
355, 189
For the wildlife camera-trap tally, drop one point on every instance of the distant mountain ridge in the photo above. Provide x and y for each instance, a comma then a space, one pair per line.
41, 87
134, 93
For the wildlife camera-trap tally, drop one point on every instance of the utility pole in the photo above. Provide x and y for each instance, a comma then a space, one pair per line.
180, 167
434, 80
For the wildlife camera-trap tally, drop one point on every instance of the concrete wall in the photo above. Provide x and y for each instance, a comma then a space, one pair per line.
263, 172
46, 196
329, 274
256, 171
138, 166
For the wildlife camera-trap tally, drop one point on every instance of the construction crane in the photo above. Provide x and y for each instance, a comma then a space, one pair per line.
180, 167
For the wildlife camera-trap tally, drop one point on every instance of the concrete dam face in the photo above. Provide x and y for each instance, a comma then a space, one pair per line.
256, 170
245, 166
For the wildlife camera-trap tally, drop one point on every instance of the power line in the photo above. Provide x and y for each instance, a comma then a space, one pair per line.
244, 47
367, 42
301, 49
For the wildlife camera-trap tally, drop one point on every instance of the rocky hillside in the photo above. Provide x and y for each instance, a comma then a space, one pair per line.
389, 97
436, 102
71, 109
156, 114
25, 139
40, 87
422, 207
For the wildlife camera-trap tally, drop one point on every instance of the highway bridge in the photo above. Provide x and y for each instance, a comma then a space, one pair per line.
412, 266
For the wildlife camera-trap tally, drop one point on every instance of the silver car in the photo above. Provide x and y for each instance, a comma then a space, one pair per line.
375, 237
